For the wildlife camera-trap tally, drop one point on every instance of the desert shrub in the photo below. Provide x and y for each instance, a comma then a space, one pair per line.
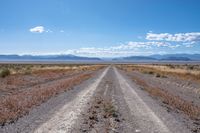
147, 72
163, 76
110, 109
14, 106
190, 67
28, 70
42, 66
4, 72
186, 72
171, 66
158, 75
150, 72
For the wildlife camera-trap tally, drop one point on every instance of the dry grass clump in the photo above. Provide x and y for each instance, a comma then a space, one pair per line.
4, 72
15, 105
109, 109
29, 68
166, 70
176, 102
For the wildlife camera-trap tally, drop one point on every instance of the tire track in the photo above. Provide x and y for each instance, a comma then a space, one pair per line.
64, 119
149, 116
147, 119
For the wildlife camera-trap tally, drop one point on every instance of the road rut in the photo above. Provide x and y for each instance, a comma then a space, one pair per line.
64, 119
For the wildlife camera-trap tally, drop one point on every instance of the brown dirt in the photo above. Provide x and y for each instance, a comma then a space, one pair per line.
19, 93
15, 105
19, 81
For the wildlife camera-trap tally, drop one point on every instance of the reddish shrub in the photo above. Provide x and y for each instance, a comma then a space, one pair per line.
15, 105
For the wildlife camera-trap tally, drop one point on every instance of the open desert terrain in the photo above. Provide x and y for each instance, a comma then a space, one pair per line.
100, 66
157, 98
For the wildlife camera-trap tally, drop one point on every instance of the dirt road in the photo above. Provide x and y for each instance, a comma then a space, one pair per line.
110, 102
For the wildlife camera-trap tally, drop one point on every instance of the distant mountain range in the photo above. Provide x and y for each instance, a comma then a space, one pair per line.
166, 57
69, 57
47, 57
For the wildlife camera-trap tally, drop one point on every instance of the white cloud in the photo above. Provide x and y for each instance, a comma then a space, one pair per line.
192, 37
130, 48
154, 43
62, 31
148, 44
37, 29
105, 52
141, 45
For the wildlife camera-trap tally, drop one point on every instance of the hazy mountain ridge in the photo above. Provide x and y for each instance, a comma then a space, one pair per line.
166, 57
46, 57
69, 57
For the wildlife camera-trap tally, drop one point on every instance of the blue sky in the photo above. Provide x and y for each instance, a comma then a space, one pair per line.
103, 28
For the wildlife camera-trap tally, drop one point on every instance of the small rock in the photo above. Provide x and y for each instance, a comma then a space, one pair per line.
137, 131
117, 120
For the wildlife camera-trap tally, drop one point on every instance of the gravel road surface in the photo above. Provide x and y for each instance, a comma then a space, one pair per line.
109, 102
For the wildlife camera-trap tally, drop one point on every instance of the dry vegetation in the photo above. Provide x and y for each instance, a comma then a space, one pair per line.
102, 114
4, 72
20, 101
187, 72
23, 76
34, 68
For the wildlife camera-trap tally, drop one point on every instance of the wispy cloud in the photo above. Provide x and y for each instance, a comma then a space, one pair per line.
146, 45
37, 29
129, 48
152, 43
105, 52
192, 37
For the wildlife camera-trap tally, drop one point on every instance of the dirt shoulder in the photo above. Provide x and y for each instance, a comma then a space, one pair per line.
45, 112
179, 97
24, 76
19, 102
